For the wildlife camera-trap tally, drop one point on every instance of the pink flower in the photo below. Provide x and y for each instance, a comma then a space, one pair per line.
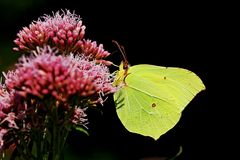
10, 118
63, 30
48, 74
7, 114
44, 80
10, 105
79, 116
91, 49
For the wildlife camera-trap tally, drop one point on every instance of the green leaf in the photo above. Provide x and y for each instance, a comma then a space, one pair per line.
34, 149
178, 154
81, 129
152, 97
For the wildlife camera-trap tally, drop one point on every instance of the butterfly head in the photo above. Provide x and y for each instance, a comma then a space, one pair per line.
123, 67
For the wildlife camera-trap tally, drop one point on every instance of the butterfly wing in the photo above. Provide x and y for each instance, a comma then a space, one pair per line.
153, 98
180, 84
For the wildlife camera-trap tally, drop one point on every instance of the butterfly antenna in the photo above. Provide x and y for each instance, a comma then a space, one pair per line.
122, 50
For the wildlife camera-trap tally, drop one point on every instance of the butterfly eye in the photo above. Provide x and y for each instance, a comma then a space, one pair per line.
125, 66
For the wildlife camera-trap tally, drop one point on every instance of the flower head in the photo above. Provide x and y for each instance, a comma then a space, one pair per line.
44, 80
63, 30
48, 74
90, 48
50, 89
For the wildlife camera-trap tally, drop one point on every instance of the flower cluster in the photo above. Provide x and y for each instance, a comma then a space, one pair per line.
48, 74
50, 89
64, 31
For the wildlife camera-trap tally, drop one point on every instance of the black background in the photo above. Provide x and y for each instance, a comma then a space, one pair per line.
182, 35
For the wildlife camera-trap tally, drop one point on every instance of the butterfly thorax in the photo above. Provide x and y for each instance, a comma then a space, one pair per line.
121, 75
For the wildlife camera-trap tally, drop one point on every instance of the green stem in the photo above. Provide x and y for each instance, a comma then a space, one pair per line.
179, 152
64, 135
23, 149
55, 135
54, 139
39, 145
